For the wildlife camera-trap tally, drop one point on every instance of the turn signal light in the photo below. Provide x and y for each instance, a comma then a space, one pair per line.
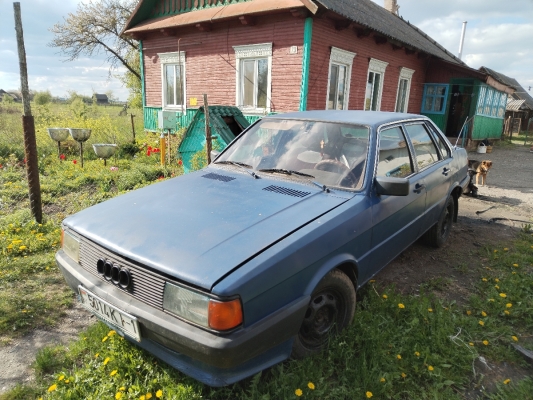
224, 315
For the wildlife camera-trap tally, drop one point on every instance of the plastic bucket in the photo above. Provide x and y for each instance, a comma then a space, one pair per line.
481, 149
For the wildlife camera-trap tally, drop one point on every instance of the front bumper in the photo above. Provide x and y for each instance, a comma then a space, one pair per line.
216, 360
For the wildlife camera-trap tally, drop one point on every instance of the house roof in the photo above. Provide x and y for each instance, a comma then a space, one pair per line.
377, 18
514, 105
519, 94
101, 96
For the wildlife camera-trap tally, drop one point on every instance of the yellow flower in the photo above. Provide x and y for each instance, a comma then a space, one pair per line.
430, 309
52, 388
384, 296
471, 344
514, 273
495, 251
148, 396
159, 394
372, 280
404, 375
506, 382
496, 280
486, 342
61, 378
506, 312
298, 392
491, 300
509, 305
514, 338
481, 323
430, 368
468, 312
400, 305
96, 355
515, 265
369, 395
382, 380
122, 388
107, 359
399, 357
118, 395
484, 279
114, 372
111, 333
483, 314
142, 397
67, 380
22, 248
496, 286
104, 338
311, 385
417, 354
503, 295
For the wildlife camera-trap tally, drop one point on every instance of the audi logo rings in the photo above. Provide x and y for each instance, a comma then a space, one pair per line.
114, 273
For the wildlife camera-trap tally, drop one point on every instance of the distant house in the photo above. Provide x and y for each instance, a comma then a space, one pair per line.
271, 56
101, 99
12, 95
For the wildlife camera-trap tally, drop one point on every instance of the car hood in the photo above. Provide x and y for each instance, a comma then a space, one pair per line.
201, 226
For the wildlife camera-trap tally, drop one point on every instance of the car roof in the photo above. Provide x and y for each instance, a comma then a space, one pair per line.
370, 118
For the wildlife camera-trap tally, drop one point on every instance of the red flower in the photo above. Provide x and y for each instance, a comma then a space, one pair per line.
1, 166
62, 157
24, 161
149, 148
74, 161
180, 162
155, 150
161, 178
148, 152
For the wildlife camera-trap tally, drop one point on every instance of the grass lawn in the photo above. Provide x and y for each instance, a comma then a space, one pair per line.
399, 346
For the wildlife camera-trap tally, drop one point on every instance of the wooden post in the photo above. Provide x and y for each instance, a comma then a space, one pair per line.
207, 130
28, 125
133, 127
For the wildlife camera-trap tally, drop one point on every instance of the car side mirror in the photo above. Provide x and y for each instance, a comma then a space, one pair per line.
391, 186
214, 154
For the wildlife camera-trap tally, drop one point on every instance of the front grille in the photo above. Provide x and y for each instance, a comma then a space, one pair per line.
146, 285
287, 191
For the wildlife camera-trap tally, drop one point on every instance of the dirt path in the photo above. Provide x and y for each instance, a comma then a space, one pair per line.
501, 209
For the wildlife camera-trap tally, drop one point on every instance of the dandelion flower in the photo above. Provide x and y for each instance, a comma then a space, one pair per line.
105, 338
514, 338
385, 296
509, 305
506, 382
417, 354
430, 309
111, 333
496, 280
148, 396
430, 368
404, 375
481, 323
496, 286
142, 397
113, 373
399, 357
118, 395
107, 359
514, 273
382, 380
495, 251
515, 265
503, 295
96, 355
468, 312
506, 312
21, 248
369, 395
400, 305
52, 388
159, 394
298, 392
505, 249
372, 280
484, 279
492, 300
311, 385
471, 344
122, 388
486, 342
483, 314
61, 378
67, 380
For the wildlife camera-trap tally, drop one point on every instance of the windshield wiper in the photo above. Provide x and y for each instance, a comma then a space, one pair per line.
291, 172
241, 165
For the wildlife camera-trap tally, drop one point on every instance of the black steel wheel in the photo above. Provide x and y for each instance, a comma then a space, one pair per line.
330, 310
436, 236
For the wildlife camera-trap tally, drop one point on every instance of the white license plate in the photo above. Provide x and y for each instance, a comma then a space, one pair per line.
121, 321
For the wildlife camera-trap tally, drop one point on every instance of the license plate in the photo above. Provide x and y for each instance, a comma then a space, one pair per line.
121, 321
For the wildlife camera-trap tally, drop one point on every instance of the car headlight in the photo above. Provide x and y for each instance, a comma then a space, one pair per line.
201, 309
70, 245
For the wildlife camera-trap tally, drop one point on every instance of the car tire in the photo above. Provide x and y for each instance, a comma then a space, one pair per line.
330, 310
436, 236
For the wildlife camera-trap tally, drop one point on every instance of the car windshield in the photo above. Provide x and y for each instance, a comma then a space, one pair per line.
332, 154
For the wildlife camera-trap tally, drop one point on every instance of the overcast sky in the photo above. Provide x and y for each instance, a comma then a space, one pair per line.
498, 35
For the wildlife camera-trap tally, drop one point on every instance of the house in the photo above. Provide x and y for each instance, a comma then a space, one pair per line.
519, 110
12, 95
100, 99
271, 56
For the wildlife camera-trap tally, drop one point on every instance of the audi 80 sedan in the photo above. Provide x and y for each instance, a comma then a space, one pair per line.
231, 269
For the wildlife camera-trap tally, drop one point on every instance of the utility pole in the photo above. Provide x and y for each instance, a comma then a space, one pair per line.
28, 125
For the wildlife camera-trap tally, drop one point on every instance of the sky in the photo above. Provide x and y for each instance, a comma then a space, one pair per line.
498, 36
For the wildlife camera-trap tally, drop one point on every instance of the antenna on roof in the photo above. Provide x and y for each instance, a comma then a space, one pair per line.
462, 40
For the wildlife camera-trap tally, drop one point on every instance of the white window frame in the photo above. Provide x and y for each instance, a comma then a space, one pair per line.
377, 67
342, 58
247, 52
405, 74
172, 59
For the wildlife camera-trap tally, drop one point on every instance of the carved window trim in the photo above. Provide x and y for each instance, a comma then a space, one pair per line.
172, 58
345, 59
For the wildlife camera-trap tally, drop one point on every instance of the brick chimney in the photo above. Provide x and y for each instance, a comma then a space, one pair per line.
392, 6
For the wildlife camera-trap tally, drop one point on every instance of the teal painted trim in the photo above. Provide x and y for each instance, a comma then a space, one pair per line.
189, 6
150, 118
142, 72
487, 128
306, 62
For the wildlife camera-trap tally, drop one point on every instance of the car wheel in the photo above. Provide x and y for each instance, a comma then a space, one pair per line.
436, 236
330, 310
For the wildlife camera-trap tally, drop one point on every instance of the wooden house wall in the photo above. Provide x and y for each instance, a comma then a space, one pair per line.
210, 60
325, 35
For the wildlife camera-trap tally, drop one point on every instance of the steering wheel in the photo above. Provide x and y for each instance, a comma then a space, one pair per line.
339, 168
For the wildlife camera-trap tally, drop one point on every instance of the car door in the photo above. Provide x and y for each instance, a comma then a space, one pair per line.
433, 167
396, 219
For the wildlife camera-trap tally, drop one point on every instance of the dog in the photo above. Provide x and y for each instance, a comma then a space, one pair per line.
481, 169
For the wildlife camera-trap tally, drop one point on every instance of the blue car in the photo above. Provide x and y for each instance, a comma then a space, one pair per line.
229, 270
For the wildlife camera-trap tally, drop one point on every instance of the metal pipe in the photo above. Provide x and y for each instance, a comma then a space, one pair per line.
461, 42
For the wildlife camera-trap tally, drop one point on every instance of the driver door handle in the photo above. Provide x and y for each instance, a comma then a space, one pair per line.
419, 187
445, 171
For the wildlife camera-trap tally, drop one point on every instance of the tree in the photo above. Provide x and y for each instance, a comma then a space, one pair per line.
95, 28
42, 98
133, 84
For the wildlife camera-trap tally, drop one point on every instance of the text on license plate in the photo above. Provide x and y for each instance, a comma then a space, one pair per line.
123, 322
